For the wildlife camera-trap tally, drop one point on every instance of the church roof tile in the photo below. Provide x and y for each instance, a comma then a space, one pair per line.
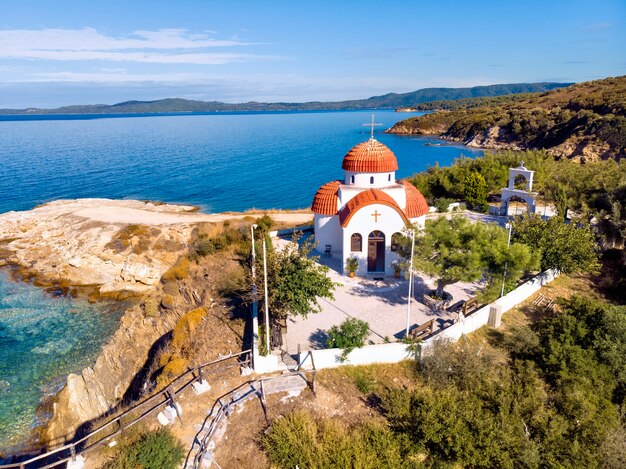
326, 199
416, 204
370, 157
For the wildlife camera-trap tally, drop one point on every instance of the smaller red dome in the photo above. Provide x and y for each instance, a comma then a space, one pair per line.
326, 199
416, 204
370, 157
365, 198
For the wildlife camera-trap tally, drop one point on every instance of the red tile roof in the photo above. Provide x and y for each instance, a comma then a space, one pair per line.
416, 204
369, 197
326, 200
370, 157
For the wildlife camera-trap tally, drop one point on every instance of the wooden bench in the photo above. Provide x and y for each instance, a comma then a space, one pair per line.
425, 329
470, 306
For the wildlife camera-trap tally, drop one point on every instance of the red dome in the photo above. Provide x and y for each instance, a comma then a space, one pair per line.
370, 157
326, 199
416, 204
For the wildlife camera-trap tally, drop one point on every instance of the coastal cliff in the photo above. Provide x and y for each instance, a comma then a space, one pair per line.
583, 122
97, 390
119, 249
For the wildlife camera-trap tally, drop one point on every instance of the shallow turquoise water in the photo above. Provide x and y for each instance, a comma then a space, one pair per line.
42, 339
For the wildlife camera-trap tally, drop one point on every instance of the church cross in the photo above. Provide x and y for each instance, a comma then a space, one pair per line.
376, 215
372, 125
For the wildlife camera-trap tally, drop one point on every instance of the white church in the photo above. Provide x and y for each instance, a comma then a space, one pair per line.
362, 215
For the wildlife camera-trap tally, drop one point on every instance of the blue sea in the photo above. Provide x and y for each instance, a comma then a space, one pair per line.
42, 339
217, 161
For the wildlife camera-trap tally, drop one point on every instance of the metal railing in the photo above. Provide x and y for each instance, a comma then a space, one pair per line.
69, 451
223, 408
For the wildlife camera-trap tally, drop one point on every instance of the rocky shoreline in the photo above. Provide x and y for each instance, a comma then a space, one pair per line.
113, 249
577, 148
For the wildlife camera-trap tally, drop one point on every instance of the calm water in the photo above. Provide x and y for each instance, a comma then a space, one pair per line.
218, 161
42, 339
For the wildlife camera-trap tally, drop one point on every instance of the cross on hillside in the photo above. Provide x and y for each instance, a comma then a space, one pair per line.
372, 125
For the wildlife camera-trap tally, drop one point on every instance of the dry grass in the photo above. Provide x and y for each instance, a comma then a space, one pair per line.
137, 236
178, 271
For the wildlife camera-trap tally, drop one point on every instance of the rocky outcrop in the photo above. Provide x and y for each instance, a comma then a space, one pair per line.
88, 243
99, 389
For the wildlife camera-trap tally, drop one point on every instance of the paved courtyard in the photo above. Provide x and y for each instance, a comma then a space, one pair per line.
382, 304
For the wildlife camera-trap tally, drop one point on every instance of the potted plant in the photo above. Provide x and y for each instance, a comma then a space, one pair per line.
397, 268
352, 264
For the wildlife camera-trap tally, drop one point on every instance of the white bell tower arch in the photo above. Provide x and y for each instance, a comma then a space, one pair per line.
526, 194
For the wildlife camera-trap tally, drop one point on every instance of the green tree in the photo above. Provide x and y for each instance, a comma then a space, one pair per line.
294, 280
458, 250
349, 335
150, 450
475, 190
567, 247
559, 196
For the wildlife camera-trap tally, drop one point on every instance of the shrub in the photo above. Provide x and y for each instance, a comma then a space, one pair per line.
168, 301
232, 282
178, 271
442, 204
123, 239
349, 335
186, 326
300, 440
152, 450
205, 245
265, 223
151, 308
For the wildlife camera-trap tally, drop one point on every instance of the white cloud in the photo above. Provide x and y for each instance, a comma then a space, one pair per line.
166, 46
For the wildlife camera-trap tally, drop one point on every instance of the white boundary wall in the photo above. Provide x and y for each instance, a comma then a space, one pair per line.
395, 352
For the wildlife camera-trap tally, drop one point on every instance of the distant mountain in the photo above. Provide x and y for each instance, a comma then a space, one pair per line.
387, 101
585, 121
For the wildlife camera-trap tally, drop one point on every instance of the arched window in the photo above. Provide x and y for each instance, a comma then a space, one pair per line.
352, 179
372, 180
356, 243
395, 241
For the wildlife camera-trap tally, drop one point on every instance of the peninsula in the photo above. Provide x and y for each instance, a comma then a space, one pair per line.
585, 121
387, 101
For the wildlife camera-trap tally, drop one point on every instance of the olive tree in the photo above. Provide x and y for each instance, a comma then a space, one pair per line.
295, 280
567, 247
457, 250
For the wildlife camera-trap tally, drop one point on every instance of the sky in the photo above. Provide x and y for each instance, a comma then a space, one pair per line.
63, 52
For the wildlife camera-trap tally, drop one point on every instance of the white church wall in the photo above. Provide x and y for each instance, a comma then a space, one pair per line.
364, 180
362, 222
328, 231
398, 193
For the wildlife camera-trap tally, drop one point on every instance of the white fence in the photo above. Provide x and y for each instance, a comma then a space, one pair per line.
287, 231
395, 352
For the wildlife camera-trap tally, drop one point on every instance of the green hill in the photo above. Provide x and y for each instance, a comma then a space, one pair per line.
387, 101
585, 121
